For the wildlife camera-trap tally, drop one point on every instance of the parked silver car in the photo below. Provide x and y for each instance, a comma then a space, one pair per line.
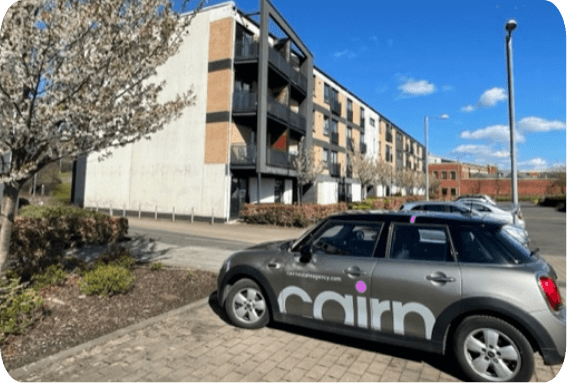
438, 282
516, 232
512, 217
481, 197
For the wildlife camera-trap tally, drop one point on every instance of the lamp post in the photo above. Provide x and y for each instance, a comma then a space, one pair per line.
510, 26
444, 116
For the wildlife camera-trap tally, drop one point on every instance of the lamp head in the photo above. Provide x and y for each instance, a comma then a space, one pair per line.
511, 25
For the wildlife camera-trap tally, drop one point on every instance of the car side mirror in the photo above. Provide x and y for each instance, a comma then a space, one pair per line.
305, 254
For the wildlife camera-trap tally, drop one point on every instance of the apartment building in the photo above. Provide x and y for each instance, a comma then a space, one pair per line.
258, 95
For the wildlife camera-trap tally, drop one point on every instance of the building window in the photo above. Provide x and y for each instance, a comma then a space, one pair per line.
327, 93
325, 125
388, 153
453, 175
453, 192
436, 174
443, 175
334, 158
334, 126
372, 122
444, 192
325, 157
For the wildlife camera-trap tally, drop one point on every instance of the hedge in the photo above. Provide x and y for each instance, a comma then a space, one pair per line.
35, 211
40, 242
289, 215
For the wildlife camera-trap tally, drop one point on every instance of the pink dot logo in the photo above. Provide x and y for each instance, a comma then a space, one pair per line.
361, 286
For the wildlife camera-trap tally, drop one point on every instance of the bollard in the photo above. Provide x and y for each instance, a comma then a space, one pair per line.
192, 214
111, 210
213, 217
173, 215
139, 210
97, 207
124, 211
155, 217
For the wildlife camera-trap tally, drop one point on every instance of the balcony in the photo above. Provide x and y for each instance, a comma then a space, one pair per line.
244, 102
362, 148
388, 137
246, 50
280, 159
278, 110
298, 79
362, 122
349, 172
334, 138
350, 144
349, 115
336, 107
335, 170
297, 122
242, 154
279, 62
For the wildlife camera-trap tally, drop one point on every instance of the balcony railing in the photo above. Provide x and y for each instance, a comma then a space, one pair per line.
362, 148
335, 170
297, 121
389, 137
278, 61
335, 138
278, 110
349, 115
298, 79
246, 50
280, 159
350, 143
243, 154
336, 107
244, 102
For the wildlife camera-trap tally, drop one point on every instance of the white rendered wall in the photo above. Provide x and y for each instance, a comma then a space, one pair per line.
356, 192
266, 190
288, 192
169, 170
327, 192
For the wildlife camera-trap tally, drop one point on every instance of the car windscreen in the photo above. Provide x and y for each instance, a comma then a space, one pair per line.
301, 241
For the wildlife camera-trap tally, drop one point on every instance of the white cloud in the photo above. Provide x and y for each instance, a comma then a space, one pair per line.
491, 97
480, 151
488, 99
538, 124
412, 87
534, 163
347, 53
492, 133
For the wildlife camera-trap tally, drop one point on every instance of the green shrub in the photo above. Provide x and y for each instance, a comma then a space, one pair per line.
118, 256
35, 211
156, 266
18, 308
107, 279
62, 193
53, 275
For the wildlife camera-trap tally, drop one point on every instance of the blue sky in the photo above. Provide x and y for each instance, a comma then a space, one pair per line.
411, 58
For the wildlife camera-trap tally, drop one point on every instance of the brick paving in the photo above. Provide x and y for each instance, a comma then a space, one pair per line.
195, 344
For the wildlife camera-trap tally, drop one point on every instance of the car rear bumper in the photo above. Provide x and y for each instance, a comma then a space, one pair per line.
553, 351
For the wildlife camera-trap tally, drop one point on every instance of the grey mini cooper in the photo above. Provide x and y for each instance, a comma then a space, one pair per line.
439, 282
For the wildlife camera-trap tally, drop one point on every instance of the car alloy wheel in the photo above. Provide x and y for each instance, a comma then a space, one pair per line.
490, 349
246, 305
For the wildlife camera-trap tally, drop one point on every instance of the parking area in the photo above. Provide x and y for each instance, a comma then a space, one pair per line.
197, 343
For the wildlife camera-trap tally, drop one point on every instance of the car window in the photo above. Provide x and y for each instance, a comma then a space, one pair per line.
346, 239
475, 245
434, 208
454, 209
421, 243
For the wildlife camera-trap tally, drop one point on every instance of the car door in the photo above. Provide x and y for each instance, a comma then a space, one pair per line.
416, 280
335, 283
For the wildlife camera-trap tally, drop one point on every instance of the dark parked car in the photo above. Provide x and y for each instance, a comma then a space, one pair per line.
438, 282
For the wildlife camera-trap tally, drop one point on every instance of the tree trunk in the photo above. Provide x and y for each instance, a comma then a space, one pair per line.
10, 196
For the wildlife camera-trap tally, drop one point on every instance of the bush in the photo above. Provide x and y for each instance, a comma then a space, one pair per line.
18, 308
62, 193
34, 211
53, 275
156, 266
289, 215
107, 279
118, 256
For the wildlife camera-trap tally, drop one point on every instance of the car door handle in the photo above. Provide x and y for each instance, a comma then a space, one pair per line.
274, 265
354, 271
440, 278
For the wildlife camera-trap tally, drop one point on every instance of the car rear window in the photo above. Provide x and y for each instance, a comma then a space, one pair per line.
475, 245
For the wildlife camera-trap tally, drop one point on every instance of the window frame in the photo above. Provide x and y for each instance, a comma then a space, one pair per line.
326, 125
327, 93
325, 158
452, 250
453, 175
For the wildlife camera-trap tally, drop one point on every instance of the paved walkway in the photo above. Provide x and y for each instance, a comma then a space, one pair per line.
195, 343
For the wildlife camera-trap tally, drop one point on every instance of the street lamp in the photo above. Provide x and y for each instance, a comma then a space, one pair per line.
444, 116
510, 26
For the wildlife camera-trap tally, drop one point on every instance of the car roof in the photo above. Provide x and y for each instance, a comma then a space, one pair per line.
441, 218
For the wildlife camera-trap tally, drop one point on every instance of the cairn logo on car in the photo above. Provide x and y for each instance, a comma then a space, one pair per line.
377, 308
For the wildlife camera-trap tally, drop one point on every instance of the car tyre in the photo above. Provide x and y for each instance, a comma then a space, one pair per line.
246, 305
489, 349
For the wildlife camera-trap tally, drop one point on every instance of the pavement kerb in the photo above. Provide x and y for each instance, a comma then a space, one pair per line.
105, 338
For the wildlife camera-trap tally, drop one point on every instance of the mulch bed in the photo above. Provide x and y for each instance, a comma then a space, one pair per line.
72, 318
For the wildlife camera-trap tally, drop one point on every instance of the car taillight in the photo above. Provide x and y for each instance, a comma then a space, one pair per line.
551, 292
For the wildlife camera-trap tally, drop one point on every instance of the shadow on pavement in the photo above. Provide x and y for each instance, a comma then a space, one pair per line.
446, 364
